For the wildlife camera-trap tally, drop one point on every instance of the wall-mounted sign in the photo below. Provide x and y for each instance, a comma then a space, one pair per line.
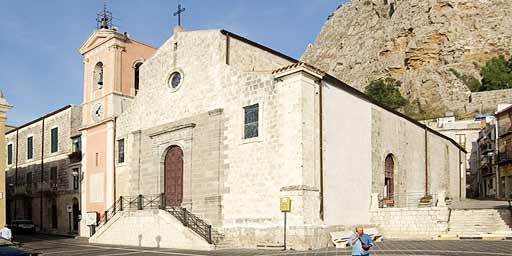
285, 204
91, 218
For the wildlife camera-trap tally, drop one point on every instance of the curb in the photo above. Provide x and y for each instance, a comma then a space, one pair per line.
56, 234
488, 238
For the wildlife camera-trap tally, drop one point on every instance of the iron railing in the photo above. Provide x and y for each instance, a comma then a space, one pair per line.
142, 202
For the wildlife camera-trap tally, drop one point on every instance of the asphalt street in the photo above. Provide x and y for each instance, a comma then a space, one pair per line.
57, 246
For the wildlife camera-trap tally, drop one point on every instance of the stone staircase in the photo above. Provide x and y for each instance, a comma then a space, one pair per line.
478, 221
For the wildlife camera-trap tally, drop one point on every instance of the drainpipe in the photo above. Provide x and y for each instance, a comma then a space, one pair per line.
16, 174
320, 95
114, 152
426, 162
42, 178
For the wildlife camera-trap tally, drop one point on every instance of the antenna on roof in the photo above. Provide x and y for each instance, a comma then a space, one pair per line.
104, 18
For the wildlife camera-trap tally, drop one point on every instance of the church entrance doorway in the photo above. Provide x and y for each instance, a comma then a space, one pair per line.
389, 180
173, 176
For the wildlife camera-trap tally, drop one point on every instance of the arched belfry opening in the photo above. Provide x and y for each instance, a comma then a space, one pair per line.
98, 75
173, 176
389, 179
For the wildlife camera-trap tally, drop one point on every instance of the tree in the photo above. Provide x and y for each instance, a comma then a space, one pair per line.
496, 74
387, 92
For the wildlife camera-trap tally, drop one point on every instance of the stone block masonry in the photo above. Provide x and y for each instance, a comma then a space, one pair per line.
486, 101
411, 223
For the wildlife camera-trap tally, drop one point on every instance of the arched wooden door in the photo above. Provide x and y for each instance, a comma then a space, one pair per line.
388, 176
173, 176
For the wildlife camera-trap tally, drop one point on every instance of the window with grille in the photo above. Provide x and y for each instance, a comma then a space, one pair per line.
30, 147
120, 151
55, 139
251, 116
9, 154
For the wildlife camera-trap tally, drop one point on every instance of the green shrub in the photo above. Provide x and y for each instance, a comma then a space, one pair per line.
387, 92
496, 74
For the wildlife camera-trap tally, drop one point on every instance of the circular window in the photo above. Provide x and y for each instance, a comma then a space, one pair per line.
174, 80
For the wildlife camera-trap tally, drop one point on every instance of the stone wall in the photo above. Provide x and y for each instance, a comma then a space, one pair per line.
488, 101
411, 223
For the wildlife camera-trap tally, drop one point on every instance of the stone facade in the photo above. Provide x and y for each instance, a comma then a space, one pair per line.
58, 187
504, 146
235, 183
416, 42
411, 223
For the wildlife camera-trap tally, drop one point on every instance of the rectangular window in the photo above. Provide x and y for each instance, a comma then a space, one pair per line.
75, 178
53, 174
77, 144
28, 178
251, 121
9, 154
55, 139
30, 148
120, 151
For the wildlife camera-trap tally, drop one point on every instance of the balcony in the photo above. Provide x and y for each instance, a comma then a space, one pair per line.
75, 157
505, 157
486, 148
484, 163
504, 130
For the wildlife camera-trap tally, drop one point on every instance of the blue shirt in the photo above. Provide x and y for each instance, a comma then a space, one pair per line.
357, 248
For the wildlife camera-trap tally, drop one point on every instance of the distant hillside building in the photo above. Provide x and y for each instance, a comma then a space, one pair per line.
52, 144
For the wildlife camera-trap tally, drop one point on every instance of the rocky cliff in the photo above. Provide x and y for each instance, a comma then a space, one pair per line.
416, 42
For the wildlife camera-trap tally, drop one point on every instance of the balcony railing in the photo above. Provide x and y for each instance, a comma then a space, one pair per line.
504, 130
505, 157
75, 157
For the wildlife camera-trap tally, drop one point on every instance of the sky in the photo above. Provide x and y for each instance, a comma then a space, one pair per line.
41, 69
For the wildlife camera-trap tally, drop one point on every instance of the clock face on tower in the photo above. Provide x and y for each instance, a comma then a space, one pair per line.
97, 111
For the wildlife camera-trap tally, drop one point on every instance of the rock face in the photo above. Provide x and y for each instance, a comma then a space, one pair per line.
416, 42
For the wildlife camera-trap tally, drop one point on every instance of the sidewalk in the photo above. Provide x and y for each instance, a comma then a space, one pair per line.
478, 204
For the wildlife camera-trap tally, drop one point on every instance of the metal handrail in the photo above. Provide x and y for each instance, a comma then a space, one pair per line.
140, 202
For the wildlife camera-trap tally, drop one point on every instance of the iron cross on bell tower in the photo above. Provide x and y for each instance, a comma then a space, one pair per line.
178, 13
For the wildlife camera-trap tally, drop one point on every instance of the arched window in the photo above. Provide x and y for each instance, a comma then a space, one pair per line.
98, 75
136, 77
389, 176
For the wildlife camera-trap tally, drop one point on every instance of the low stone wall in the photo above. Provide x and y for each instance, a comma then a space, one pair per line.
411, 223
488, 100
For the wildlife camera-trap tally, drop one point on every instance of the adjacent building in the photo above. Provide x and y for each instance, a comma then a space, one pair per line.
4, 107
504, 174
466, 133
487, 164
43, 171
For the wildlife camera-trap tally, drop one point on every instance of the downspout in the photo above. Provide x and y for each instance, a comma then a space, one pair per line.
460, 175
16, 173
114, 162
42, 177
320, 95
426, 162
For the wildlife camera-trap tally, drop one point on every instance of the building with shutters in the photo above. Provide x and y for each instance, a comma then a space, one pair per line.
51, 143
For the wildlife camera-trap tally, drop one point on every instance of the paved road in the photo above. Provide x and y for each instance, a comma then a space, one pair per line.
59, 246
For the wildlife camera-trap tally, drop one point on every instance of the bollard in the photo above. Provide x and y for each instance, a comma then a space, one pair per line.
106, 216
121, 203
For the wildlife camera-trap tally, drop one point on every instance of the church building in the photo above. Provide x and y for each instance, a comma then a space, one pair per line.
195, 144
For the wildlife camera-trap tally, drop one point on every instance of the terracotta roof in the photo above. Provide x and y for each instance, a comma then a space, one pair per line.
297, 65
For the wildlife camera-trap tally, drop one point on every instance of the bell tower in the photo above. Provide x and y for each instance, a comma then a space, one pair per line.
111, 81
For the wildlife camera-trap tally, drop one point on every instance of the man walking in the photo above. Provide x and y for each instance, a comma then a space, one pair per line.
360, 242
